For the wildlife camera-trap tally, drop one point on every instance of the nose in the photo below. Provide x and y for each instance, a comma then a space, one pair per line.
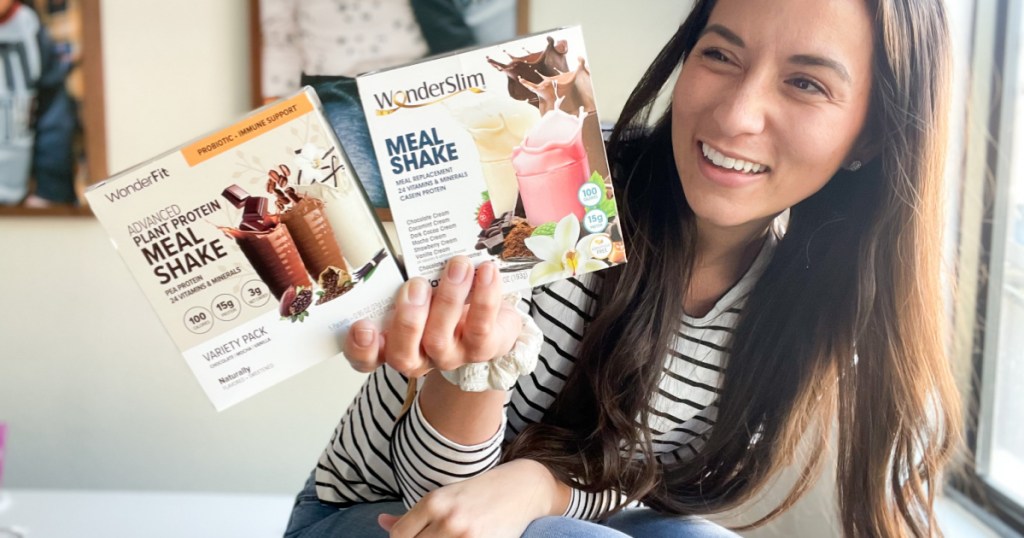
743, 108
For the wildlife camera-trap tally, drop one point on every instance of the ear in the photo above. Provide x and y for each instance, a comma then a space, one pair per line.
868, 144
866, 149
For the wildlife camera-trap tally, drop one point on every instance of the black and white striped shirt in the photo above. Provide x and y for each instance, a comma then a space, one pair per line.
371, 458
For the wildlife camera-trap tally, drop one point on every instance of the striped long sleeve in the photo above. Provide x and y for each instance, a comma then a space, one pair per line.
375, 455
425, 460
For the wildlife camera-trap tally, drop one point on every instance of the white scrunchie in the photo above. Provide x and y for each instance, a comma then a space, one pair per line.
501, 373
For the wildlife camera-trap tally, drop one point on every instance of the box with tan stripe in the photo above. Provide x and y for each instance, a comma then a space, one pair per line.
255, 244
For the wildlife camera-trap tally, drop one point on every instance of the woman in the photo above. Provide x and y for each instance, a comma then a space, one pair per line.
687, 379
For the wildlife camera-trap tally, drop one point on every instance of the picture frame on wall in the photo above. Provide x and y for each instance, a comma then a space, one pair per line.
326, 43
53, 141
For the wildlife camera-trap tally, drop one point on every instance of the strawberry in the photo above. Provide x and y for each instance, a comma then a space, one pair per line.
485, 213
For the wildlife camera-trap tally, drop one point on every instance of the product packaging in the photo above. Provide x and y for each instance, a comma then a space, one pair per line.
496, 153
255, 245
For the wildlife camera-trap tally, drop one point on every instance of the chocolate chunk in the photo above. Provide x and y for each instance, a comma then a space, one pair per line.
235, 195
507, 221
254, 215
256, 226
494, 244
491, 237
255, 208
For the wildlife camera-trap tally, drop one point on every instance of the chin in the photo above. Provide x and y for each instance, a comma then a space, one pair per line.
717, 212
721, 222
723, 216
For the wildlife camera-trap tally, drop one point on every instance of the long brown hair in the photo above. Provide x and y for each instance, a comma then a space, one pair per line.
845, 326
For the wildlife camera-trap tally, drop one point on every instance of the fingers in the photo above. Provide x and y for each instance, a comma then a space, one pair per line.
447, 306
407, 526
387, 521
362, 346
479, 332
436, 328
436, 515
402, 349
511, 325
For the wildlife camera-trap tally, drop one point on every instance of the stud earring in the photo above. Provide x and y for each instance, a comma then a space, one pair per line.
854, 166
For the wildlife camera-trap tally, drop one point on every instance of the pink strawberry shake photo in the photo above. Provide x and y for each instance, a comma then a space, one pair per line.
551, 166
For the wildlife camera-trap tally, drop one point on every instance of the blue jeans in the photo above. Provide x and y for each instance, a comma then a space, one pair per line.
312, 519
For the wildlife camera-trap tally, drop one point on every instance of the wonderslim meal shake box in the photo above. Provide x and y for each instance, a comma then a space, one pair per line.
496, 153
255, 245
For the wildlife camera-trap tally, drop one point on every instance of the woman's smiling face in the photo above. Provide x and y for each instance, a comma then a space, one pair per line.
769, 104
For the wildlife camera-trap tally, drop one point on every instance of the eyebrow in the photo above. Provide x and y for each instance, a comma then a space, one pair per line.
726, 33
799, 59
818, 61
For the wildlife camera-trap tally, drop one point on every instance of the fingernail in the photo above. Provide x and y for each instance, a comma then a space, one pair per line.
485, 274
416, 292
457, 271
363, 337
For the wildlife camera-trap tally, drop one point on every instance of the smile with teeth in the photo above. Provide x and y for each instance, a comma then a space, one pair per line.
720, 160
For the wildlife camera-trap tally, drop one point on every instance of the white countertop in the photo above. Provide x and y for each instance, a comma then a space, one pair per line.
41, 513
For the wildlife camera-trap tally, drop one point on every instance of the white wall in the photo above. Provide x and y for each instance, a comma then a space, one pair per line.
173, 71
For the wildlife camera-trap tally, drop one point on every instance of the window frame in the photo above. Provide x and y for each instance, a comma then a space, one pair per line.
984, 228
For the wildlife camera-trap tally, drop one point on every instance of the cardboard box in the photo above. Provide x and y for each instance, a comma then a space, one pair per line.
255, 245
496, 153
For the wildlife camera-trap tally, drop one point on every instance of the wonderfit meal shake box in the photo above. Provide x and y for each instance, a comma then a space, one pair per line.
255, 244
496, 153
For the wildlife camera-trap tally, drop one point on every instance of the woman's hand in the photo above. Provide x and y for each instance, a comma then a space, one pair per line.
499, 503
464, 320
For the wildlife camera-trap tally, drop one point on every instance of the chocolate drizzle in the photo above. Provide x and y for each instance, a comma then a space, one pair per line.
532, 68
574, 88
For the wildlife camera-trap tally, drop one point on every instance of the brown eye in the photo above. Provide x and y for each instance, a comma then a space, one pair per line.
714, 54
807, 85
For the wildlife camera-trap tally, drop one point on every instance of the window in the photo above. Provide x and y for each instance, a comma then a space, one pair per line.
1002, 402
998, 338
